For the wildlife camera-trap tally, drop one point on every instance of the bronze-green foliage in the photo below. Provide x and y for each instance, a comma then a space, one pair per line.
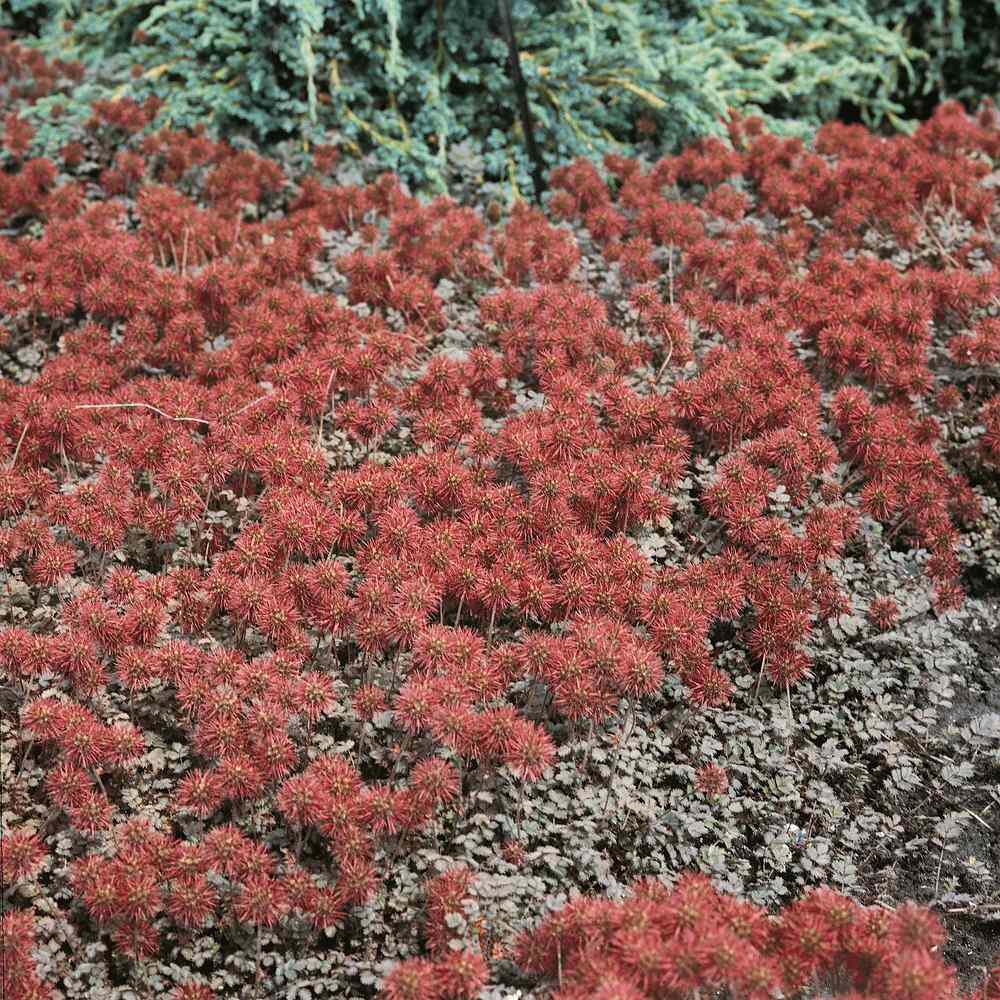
416, 78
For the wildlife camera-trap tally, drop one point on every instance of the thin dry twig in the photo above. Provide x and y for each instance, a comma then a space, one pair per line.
979, 819
173, 248
252, 403
17, 449
327, 395
666, 361
937, 879
144, 406
170, 416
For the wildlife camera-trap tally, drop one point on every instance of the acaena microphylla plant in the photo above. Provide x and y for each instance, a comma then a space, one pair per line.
692, 941
883, 612
21, 855
271, 520
455, 968
711, 780
989, 443
991, 987
19, 978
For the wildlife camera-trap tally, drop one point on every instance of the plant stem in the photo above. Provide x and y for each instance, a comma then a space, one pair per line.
760, 677
590, 746
489, 634
20, 441
257, 977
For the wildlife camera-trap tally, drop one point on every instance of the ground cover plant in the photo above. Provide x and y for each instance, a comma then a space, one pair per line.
381, 574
